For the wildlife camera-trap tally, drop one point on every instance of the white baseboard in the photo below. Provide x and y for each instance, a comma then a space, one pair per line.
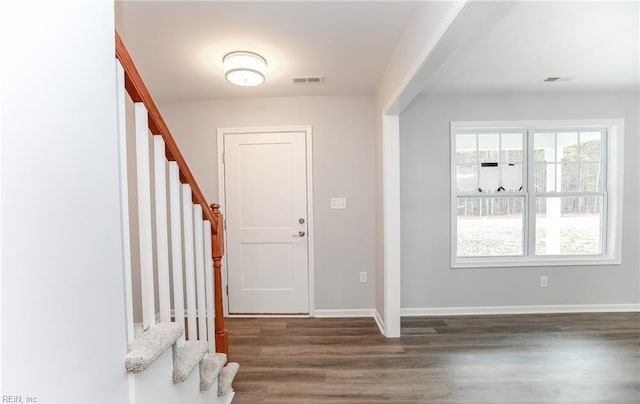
540, 309
326, 313
379, 321
352, 313
329, 313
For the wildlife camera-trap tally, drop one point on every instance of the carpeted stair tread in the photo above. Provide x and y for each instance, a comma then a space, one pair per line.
225, 378
186, 358
150, 345
210, 367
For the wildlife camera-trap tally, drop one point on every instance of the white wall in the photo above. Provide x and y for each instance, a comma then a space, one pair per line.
427, 279
343, 166
64, 338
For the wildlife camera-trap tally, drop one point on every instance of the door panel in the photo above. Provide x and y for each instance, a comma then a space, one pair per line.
265, 196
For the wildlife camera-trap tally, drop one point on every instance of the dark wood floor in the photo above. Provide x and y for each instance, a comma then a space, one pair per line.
568, 358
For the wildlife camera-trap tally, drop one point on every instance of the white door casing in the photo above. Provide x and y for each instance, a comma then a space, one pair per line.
265, 183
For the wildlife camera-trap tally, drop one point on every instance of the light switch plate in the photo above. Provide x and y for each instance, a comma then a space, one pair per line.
338, 203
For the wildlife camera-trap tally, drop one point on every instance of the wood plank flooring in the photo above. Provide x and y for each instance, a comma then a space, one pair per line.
550, 358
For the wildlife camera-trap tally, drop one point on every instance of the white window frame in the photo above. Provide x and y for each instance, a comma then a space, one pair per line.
614, 163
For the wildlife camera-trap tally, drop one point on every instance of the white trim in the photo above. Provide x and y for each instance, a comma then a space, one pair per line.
125, 221
422, 68
391, 213
337, 313
614, 159
131, 380
379, 322
308, 131
145, 223
201, 298
310, 222
615, 182
319, 313
177, 262
539, 124
418, 71
189, 260
534, 309
161, 228
510, 262
230, 395
325, 313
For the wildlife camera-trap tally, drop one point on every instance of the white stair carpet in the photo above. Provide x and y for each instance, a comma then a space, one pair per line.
226, 376
186, 358
210, 367
150, 345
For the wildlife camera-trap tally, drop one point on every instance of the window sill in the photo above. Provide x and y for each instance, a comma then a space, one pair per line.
536, 262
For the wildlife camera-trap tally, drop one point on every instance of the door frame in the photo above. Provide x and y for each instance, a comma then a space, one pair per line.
307, 129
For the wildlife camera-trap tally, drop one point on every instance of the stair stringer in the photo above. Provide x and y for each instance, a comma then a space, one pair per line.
155, 386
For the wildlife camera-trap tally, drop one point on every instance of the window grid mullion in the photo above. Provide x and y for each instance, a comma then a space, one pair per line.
579, 152
567, 194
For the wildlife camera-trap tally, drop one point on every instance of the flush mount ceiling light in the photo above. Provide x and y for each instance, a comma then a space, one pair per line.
244, 68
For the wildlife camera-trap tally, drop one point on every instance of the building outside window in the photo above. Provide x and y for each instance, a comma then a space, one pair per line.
536, 193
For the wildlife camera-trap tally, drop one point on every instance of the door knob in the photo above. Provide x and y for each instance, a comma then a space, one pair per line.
300, 234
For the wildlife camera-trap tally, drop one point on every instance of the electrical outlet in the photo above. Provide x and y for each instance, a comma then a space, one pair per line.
363, 277
544, 281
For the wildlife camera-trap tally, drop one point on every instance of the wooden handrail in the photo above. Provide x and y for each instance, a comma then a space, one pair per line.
139, 93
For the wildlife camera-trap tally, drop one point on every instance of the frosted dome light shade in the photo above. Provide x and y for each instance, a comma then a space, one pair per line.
244, 68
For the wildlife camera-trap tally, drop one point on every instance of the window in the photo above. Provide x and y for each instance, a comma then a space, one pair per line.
536, 193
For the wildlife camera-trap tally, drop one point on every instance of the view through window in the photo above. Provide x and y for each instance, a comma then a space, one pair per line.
530, 192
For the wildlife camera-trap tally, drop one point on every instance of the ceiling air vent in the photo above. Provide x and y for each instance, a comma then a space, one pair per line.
552, 79
307, 80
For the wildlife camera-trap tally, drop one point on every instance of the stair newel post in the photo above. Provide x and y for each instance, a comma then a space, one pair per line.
217, 247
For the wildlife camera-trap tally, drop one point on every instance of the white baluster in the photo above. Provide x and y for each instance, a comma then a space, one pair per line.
200, 280
124, 199
208, 273
189, 271
162, 242
144, 215
175, 213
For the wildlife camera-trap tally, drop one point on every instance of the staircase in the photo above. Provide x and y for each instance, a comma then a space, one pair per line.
175, 322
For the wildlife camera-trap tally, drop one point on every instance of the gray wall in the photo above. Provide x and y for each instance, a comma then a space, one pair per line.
427, 279
343, 165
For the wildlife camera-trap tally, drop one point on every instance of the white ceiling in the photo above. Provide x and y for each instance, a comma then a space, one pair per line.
520, 44
178, 46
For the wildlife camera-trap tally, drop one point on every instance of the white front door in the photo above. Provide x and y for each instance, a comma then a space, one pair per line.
265, 179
